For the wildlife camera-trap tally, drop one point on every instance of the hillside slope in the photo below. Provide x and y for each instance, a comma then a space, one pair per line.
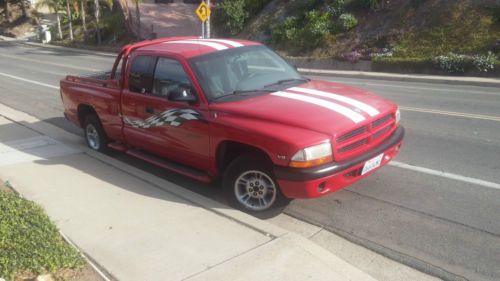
412, 28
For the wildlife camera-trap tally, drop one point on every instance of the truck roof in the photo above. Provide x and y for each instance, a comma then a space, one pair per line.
194, 46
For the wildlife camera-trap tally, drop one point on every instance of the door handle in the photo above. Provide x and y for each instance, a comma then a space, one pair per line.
149, 109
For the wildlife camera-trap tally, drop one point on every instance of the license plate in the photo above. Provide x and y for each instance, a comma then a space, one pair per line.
372, 164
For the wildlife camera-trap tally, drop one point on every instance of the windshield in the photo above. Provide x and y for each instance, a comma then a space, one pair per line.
244, 70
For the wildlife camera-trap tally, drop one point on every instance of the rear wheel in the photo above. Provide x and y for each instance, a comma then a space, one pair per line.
94, 133
249, 185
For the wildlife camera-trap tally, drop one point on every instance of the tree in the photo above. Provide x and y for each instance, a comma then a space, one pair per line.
56, 6
96, 13
68, 12
84, 20
138, 16
24, 9
6, 10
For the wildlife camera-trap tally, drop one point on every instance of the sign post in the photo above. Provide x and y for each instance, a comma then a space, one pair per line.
203, 11
208, 20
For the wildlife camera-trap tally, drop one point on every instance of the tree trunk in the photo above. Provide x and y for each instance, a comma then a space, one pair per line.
68, 11
6, 9
98, 31
23, 9
84, 20
58, 17
138, 16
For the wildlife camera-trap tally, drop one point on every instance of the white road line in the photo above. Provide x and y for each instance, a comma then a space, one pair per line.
49, 63
29, 81
451, 113
445, 175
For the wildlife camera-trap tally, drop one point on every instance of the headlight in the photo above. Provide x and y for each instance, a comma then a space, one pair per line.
398, 116
312, 156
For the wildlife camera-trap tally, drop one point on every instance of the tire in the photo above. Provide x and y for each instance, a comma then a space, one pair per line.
94, 133
250, 186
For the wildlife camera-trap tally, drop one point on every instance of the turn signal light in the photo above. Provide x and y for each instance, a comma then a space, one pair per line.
311, 163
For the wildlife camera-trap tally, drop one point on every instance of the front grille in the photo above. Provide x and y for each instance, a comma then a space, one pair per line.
352, 134
381, 132
362, 136
381, 121
353, 145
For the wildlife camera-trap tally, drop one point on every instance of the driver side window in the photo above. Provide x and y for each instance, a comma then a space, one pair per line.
169, 76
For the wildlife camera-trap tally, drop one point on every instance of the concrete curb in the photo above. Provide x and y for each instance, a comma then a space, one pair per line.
467, 81
264, 227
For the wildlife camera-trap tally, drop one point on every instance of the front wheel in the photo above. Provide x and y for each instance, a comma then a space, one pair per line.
249, 185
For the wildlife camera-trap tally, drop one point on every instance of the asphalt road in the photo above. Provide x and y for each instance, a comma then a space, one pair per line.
441, 215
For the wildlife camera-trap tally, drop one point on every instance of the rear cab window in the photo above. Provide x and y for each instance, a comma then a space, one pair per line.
141, 74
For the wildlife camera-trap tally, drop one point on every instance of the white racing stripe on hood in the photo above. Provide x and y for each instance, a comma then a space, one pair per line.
216, 46
363, 106
354, 116
228, 42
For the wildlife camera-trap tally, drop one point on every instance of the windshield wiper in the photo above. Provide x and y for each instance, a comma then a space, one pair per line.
286, 81
240, 92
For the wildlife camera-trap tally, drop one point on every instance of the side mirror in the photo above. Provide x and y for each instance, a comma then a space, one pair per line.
182, 94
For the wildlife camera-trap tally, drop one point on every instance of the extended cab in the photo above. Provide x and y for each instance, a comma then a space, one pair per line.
210, 108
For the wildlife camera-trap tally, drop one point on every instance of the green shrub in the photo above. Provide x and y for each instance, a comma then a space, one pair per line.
452, 63
29, 241
402, 65
484, 63
317, 24
231, 16
363, 4
346, 22
302, 33
336, 7
255, 6
494, 11
287, 31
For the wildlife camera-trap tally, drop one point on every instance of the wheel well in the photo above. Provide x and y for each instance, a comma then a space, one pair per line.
83, 111
229, 150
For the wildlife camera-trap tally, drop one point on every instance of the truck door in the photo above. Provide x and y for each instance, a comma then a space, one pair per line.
176, 130
133, 98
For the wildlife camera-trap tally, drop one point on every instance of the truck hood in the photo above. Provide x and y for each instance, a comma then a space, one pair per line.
320, 106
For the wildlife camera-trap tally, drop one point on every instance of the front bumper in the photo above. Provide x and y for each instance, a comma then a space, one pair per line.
321, 180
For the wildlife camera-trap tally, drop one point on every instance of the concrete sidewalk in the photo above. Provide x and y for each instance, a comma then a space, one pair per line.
139, 227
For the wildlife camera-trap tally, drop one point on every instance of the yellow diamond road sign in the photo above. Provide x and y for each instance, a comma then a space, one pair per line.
203, 11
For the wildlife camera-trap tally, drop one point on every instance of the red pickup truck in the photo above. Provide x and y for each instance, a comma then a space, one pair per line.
234, 109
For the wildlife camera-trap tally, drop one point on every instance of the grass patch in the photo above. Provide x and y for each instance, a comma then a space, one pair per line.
403, 65
29, 241
468, 32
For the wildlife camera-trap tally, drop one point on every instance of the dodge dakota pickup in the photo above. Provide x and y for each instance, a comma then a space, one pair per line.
234, 110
